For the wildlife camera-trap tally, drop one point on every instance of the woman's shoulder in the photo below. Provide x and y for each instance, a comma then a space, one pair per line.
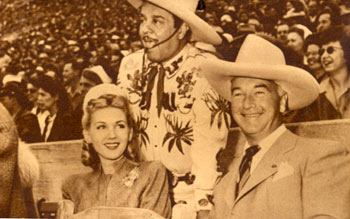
77, 180
152, 168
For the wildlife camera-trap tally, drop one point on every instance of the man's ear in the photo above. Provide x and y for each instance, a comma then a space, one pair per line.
87, 136
56, 98
283, 102
183, 30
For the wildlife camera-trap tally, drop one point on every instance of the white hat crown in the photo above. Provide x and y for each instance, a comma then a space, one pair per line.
191, 5
259, 51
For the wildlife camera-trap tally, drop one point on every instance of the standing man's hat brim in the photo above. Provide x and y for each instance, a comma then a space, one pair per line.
258, 58
184, 10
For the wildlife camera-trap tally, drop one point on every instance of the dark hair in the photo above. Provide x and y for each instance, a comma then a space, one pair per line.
14, 89
312, 39
297, 30
177, 24
334, 16
33, 81
75, 65
297, 5
281, 22
336, 33
54, 88
177, 21
108, 100
92, 76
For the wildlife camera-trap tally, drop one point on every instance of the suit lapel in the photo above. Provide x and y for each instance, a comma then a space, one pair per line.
55, 126
269, 163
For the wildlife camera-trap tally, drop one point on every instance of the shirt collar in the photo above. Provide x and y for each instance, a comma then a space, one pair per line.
326, 85
268, 141
173, 64
176, 58
52, 118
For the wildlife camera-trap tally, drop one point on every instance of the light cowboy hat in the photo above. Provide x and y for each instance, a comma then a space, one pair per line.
258, 58
185, 10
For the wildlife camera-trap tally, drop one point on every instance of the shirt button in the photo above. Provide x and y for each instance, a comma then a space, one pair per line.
155, 145
155, 126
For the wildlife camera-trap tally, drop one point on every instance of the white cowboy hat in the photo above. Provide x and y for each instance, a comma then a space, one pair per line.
185, 10
258, 58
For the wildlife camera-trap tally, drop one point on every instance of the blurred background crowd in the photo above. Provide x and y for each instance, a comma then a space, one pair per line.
52, 52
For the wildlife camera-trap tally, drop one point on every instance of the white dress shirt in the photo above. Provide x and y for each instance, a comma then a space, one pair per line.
265, 145
49, 127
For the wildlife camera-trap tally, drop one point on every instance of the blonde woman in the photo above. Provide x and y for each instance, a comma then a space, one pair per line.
116, 180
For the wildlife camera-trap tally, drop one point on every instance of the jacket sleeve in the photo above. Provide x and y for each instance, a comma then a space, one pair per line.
156, 195
326, 182
28, 129
65, 189
210, 130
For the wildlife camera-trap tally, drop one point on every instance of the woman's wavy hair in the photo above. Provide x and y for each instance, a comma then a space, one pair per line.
55, 88
89, 155
334, 34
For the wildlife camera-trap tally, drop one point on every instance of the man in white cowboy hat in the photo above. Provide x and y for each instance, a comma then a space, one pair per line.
275, 174
181, 120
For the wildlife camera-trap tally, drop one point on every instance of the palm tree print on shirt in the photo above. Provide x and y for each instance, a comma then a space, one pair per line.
219, 108
141, 125
177, 133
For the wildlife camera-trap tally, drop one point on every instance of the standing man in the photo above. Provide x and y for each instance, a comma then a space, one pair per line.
275, 174
71, 76
181, 120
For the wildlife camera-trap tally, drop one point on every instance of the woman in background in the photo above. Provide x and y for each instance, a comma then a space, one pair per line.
53, 98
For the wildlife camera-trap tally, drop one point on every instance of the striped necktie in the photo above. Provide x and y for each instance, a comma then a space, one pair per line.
244, 168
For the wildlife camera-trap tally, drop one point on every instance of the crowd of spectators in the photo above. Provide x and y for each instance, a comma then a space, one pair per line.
60, 39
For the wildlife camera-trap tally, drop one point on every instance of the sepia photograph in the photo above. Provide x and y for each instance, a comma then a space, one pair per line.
175, 109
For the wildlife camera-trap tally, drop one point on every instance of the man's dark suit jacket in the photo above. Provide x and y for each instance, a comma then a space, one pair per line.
62, 128
28, 126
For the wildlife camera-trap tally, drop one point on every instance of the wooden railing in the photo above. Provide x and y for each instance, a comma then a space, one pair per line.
61, 159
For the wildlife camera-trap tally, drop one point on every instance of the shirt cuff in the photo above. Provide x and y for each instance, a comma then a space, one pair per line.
203, 199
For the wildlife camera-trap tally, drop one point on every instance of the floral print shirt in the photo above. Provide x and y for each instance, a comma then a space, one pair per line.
181, 120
